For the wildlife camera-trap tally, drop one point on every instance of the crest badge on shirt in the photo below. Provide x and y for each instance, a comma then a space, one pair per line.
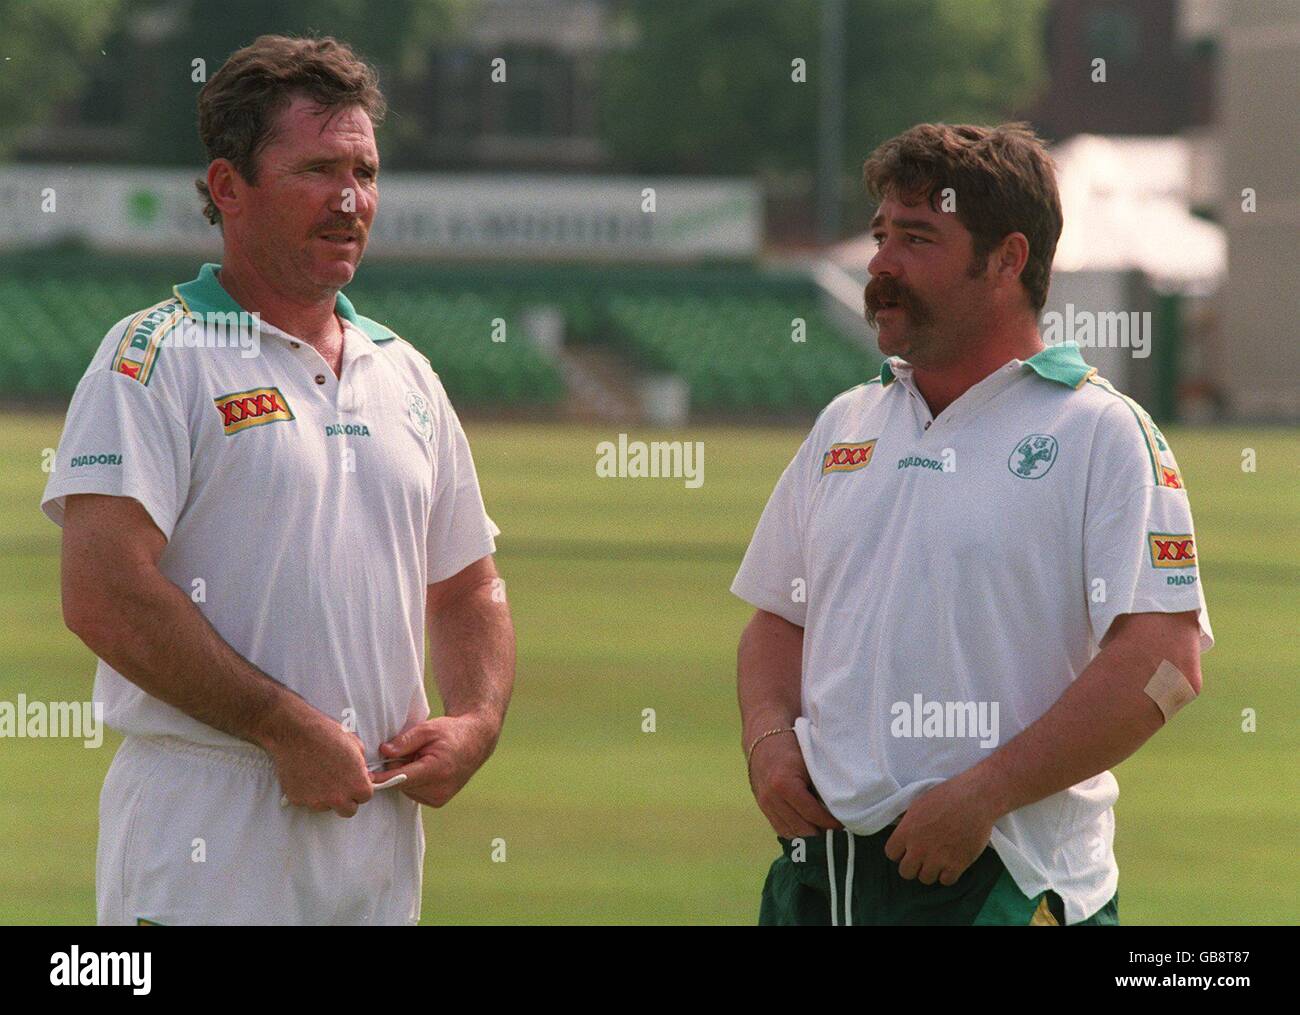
1033, 456
418, 409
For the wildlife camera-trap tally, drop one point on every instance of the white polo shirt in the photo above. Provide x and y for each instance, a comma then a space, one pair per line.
305, 513
954, 575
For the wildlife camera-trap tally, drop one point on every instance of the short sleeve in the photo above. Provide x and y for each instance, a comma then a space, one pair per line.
460, 531
120, 440
1139, 542
775, 563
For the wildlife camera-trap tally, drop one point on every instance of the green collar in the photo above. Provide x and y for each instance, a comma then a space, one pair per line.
206, 295
1060, 363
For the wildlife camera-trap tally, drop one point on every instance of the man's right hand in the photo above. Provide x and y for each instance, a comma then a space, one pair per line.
783, 789
321, 765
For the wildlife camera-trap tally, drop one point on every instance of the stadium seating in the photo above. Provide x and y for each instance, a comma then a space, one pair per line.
728, 333
456, 332
739, 353
53, 326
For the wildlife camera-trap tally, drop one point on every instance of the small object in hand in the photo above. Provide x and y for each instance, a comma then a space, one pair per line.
396, 780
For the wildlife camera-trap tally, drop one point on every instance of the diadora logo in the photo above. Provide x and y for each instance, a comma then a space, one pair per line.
80, 460
245, 409
848, 457
1169, 550
1033, 456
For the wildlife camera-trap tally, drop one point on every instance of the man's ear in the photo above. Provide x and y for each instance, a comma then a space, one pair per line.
223, 186
1010, 257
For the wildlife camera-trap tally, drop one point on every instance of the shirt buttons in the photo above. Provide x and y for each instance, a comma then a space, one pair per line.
927, 425
320, 378
295, 345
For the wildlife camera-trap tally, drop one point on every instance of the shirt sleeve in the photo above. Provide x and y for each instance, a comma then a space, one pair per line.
119, 439
460, 531
1139, 541
774, 574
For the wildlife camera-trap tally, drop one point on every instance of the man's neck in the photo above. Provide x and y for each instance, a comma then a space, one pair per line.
312, 321
941, 386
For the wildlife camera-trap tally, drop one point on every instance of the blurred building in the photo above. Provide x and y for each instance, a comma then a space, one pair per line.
1159, 68
1222, 78
459, 118
1162, 58
548, 115
1258, 359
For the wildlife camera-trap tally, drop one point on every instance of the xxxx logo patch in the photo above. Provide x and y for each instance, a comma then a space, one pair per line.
245, 409
1172, 550
848, 457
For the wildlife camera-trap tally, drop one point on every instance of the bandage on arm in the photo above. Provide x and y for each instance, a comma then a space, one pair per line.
1169, 689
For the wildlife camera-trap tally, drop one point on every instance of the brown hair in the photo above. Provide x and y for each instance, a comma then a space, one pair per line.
239, 105
1003, 179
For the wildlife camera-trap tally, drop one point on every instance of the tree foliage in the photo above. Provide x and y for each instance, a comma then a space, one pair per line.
61, 48
707, 85
44, 51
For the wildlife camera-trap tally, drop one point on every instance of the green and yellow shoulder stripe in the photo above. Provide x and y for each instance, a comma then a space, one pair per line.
1164, 468
138, 350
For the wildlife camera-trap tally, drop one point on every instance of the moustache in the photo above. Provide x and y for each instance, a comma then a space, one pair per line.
352, 227
884, 292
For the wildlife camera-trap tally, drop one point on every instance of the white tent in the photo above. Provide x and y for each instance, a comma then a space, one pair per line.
1125, 206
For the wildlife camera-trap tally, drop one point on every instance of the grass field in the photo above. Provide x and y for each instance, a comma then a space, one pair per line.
619, 591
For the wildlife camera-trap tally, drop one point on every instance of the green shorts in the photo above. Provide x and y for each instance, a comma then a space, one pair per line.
818, 891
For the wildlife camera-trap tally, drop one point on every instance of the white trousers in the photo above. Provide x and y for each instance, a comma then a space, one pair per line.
192, 834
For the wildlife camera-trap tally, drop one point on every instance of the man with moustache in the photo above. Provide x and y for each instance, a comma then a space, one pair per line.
254, 546
976, 582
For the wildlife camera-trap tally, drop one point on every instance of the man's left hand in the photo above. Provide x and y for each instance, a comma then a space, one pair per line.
943, 832
444, 753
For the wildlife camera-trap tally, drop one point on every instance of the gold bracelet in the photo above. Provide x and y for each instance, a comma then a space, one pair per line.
749, 755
